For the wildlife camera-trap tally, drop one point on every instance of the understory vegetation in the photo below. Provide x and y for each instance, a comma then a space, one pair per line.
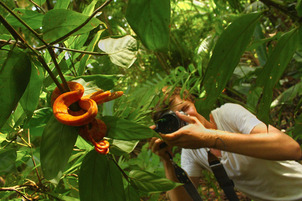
242, 51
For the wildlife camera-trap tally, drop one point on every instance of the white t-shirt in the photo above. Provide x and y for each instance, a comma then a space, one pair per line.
259, 179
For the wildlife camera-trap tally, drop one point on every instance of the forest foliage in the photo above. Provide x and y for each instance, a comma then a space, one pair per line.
247, 52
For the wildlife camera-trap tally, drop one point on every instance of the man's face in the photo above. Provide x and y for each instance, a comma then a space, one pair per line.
184, 105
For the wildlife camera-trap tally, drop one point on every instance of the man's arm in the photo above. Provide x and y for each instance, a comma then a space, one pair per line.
179, 193
271, 143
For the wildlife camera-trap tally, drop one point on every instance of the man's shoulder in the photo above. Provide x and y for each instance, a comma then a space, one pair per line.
231, 105
228, 108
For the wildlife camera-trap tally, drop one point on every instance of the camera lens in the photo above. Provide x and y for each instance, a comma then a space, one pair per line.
168, 123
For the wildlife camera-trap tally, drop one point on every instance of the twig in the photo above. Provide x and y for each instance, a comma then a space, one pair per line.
53, 57
36, 5
8, 42
32, 157
15, 188
15, 34
79, 51
122, 171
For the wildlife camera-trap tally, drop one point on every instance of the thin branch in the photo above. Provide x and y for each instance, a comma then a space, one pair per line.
16, 189
122, 171
53, 77
14, 42
37, 6
32, 157
15, 34
80, 51
53, 57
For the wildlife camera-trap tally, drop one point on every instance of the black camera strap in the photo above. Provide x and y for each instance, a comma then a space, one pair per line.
185, 180
225, 183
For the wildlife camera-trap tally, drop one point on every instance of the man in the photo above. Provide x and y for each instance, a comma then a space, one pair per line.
259, 159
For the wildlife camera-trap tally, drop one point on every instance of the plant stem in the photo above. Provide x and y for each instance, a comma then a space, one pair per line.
32, 157
122, 171
37, 6
15, 34
80, 51
16, 190
53, 57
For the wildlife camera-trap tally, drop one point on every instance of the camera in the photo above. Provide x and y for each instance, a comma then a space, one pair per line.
169, 122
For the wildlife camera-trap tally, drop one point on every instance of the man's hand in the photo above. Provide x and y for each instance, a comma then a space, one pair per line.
155, 146
192, 136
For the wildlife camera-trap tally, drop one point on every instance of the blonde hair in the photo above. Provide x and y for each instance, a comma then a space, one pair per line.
167, 102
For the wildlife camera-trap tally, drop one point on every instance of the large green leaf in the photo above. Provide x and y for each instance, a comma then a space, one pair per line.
121, 51
14, 75
100, 179
150, 20
273, 70
59, 22
151, 183
7, 157
56, 147
31, 18
123, 129
30, 98
226, 55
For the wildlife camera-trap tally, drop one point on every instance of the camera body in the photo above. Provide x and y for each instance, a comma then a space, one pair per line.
169, 122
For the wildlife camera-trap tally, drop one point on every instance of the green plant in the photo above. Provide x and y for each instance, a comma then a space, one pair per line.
239, 51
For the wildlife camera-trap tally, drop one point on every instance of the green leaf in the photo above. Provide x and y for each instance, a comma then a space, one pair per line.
31, 96
121, 147
151, 183
226, 55
85, 59
59, 22
105, 82
56, 147
123, 129
62, 4
297, 132
273, 70
7, 158
131, 193
150, 20
39, 118
287, 97
261, 51
31, 18
121, 51
23, 155
299, 8
14, 75
89, 9
100, 179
